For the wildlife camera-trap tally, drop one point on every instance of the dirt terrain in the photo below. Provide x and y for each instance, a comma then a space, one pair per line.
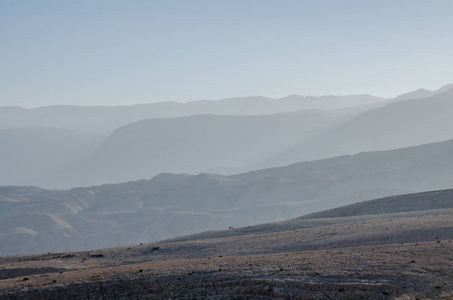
401, 255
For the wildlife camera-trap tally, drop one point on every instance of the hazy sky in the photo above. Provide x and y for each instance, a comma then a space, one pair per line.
124, 52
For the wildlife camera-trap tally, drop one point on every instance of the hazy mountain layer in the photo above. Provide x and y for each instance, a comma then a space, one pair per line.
205, 143
396, 125
423, 93
226, 144
234, 144
37, 220
30, 154
103, 120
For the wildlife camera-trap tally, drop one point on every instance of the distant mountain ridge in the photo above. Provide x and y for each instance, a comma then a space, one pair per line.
93, 124
235, 144
103, 119
423, 93
194, 144
243, 136
396, 125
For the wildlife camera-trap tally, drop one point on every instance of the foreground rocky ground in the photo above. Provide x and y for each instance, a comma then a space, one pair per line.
404, 255
407, 271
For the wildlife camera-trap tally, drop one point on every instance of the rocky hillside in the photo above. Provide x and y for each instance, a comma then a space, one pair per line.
366, 255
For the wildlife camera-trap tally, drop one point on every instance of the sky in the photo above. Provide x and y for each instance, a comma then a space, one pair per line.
115, 52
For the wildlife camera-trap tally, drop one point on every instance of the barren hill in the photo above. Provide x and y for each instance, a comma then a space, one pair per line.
394, 204
369, 254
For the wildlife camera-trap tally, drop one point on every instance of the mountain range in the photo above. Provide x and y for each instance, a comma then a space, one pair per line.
35, 220
102, 120
194, 144
87, 127
222, 144
398, 124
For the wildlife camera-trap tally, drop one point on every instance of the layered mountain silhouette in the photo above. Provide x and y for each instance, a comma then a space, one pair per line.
76, 165
102, 120
38, 220
233, 144
224, 144
423, 93
194, 144
399, 124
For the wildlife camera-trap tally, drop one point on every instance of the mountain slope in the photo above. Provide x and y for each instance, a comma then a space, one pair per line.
194, 144
395, 204
396, 125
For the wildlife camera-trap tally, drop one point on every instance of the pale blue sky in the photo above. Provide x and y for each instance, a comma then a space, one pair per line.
125, 52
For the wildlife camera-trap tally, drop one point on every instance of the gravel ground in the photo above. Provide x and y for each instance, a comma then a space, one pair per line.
391, 256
